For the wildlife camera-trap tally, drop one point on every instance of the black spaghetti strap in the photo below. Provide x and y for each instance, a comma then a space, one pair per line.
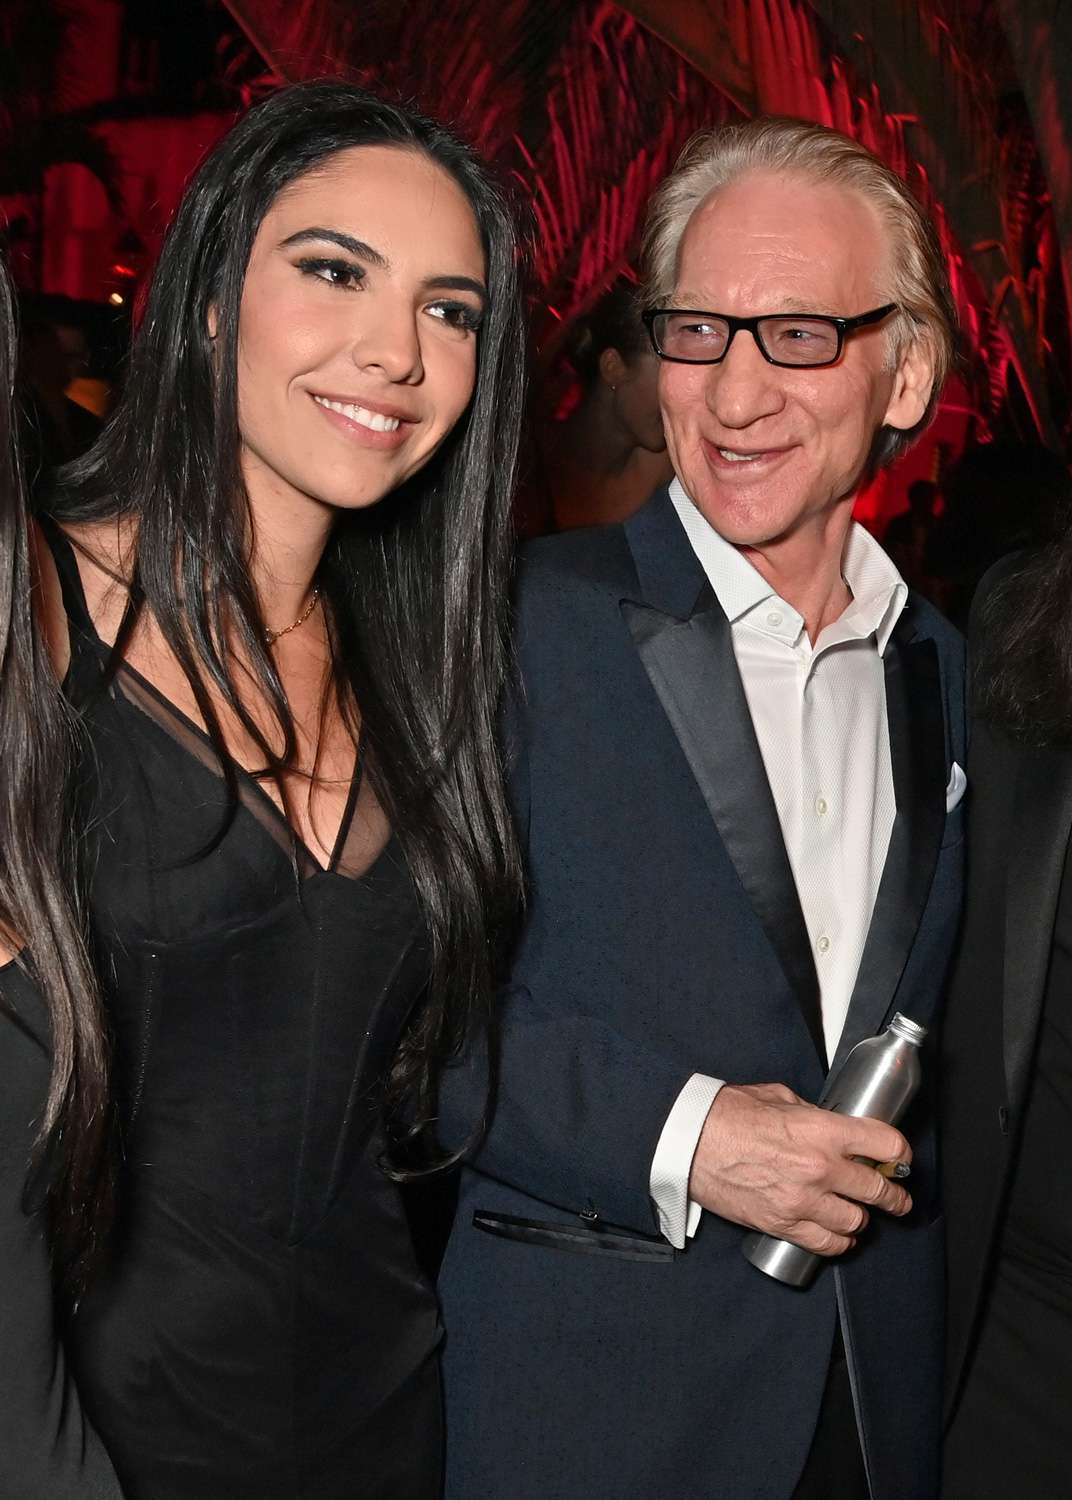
74, 595
85, 671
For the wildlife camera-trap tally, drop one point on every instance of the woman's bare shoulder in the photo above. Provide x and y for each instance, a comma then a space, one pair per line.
102, 551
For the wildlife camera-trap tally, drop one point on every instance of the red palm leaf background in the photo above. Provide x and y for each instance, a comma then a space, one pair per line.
584, 105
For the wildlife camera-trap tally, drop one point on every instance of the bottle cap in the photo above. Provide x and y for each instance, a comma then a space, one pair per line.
910, 1030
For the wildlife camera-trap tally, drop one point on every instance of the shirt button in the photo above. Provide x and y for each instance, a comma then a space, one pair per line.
821, 807
774, 618
823, 944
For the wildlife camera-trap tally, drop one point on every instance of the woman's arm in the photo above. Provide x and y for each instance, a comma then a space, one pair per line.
48, 1451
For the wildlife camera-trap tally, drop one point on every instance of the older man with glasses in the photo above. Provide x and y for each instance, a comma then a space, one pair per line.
736, 745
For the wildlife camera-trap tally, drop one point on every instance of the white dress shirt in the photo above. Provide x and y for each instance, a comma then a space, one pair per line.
819, 713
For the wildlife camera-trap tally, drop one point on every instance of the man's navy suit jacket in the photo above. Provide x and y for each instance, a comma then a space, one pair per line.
664, 937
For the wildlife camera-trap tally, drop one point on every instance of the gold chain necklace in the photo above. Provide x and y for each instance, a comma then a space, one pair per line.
271, 636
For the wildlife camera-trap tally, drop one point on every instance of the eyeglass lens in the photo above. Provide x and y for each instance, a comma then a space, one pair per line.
788, 340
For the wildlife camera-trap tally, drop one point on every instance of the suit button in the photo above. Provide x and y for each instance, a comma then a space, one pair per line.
589, 1215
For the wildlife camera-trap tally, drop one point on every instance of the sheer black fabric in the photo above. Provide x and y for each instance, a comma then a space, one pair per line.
263, 1328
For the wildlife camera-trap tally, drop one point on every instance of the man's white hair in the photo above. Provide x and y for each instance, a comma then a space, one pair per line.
918, 282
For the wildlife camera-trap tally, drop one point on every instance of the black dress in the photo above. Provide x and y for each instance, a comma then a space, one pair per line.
264, 1329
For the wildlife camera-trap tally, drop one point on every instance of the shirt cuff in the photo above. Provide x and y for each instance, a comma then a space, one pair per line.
671, 1165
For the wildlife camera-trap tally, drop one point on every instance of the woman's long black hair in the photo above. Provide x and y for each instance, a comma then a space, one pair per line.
416, 585
1020, 498
1022, 638
38, 863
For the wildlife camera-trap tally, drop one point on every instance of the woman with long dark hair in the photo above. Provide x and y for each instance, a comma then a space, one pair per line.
283, 576
51, 1112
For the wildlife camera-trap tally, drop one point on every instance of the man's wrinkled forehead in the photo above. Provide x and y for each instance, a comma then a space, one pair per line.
799, 244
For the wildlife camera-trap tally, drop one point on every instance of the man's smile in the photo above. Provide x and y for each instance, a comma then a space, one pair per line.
744, 463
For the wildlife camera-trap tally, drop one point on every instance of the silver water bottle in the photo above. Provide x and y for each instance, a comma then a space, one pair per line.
877, 1080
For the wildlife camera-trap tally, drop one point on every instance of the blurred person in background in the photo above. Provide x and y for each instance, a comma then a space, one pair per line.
87, 387
908, 534
604, 460
54, 429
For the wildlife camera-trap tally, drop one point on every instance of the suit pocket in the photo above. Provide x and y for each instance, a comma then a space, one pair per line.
573, 1237
954, 824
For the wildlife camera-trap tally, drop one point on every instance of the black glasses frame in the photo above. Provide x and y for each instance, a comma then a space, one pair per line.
841, 326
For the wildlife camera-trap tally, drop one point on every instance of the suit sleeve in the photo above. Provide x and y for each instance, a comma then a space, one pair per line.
579, 1109
48, 1451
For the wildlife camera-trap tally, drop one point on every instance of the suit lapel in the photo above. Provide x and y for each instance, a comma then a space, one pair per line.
686, 647
1042, 818
918, 755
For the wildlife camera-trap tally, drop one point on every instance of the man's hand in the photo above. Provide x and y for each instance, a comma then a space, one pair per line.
769, 1161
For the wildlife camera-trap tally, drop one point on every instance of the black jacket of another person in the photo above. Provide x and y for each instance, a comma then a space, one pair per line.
1007, 1147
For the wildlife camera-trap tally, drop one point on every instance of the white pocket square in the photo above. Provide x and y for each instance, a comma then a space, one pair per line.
958, 785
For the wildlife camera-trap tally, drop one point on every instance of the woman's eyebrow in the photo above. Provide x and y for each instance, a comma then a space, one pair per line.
344, 241
456, 284
373, 257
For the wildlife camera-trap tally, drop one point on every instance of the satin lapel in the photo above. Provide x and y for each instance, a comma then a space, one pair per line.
693, 670
1042, 818
918, 754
